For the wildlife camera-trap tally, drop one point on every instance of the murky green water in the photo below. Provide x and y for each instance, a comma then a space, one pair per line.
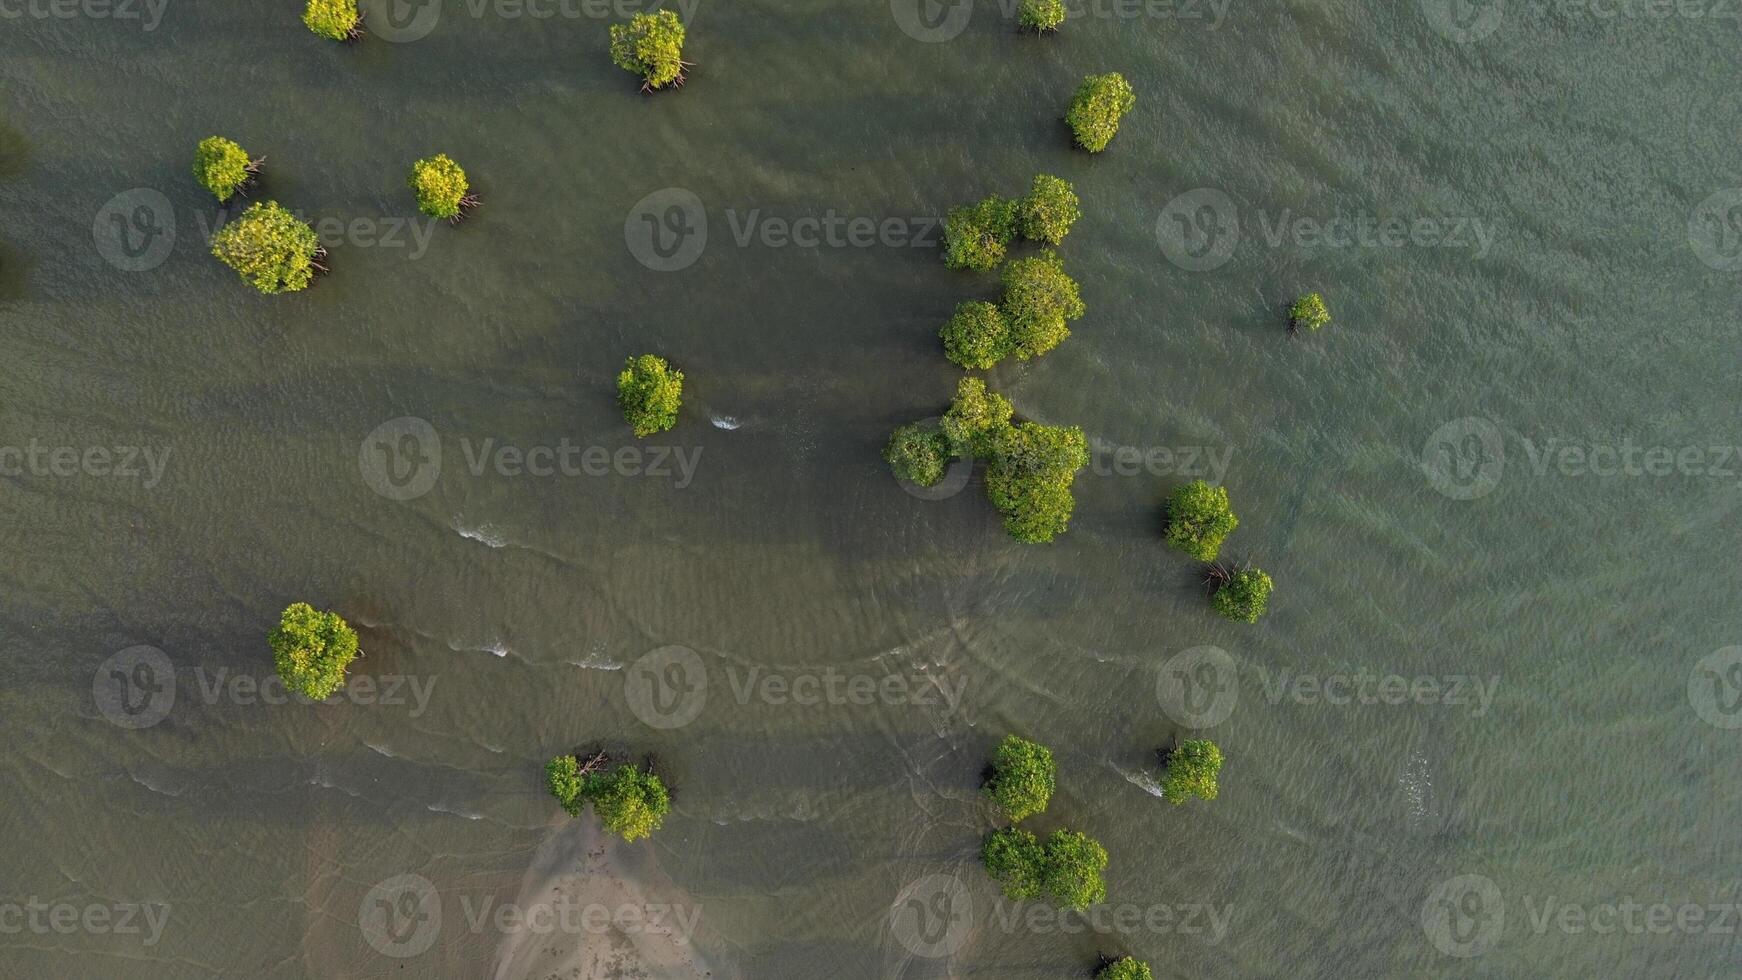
1517, 213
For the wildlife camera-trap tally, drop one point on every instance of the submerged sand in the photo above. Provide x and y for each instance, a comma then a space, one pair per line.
620, 917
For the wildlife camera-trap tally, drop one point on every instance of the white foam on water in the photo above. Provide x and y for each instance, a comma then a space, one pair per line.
727, 422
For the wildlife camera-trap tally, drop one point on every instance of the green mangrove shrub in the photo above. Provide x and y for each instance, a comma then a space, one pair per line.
650, 393
630, 802
651, 45
1067, 868
1040, 300
1308, 313
976, 336
1030, 475
1243, 595
975, 417
1101, 101
918, 454
311, 650
335, 20
1192, 768
1023, 776
975, 235
1125, 968
1199, 519
441, 187
271, 249
1050, 209
223, 167
1041, 16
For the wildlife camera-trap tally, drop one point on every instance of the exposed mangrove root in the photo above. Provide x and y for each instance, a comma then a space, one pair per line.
468, 204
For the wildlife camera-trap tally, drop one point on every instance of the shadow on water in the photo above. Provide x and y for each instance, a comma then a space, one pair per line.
14, 152
14, 273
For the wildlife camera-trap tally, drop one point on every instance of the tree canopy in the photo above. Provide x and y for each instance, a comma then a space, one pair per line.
974, 417
1067, 868
650, 45
336, 20
1199, 519
311, 650
1030, 475
976, 337
1023, 775
1309, 313
222, 166
1244, 596
1125, 968
975, 235
1101, 101
270, 248
1191, 771
1042, 15
630, 803
1050, 209
650, 393
440, 184
1039, 301
918, 454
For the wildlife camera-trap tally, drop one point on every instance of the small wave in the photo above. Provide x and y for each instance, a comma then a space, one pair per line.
1142, 780
155, 788
494, 648
440, 808
326, 783
486, 534
382, 749
596, 660
727, 422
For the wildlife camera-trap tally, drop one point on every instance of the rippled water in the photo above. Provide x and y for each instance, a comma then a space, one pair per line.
1568, 278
